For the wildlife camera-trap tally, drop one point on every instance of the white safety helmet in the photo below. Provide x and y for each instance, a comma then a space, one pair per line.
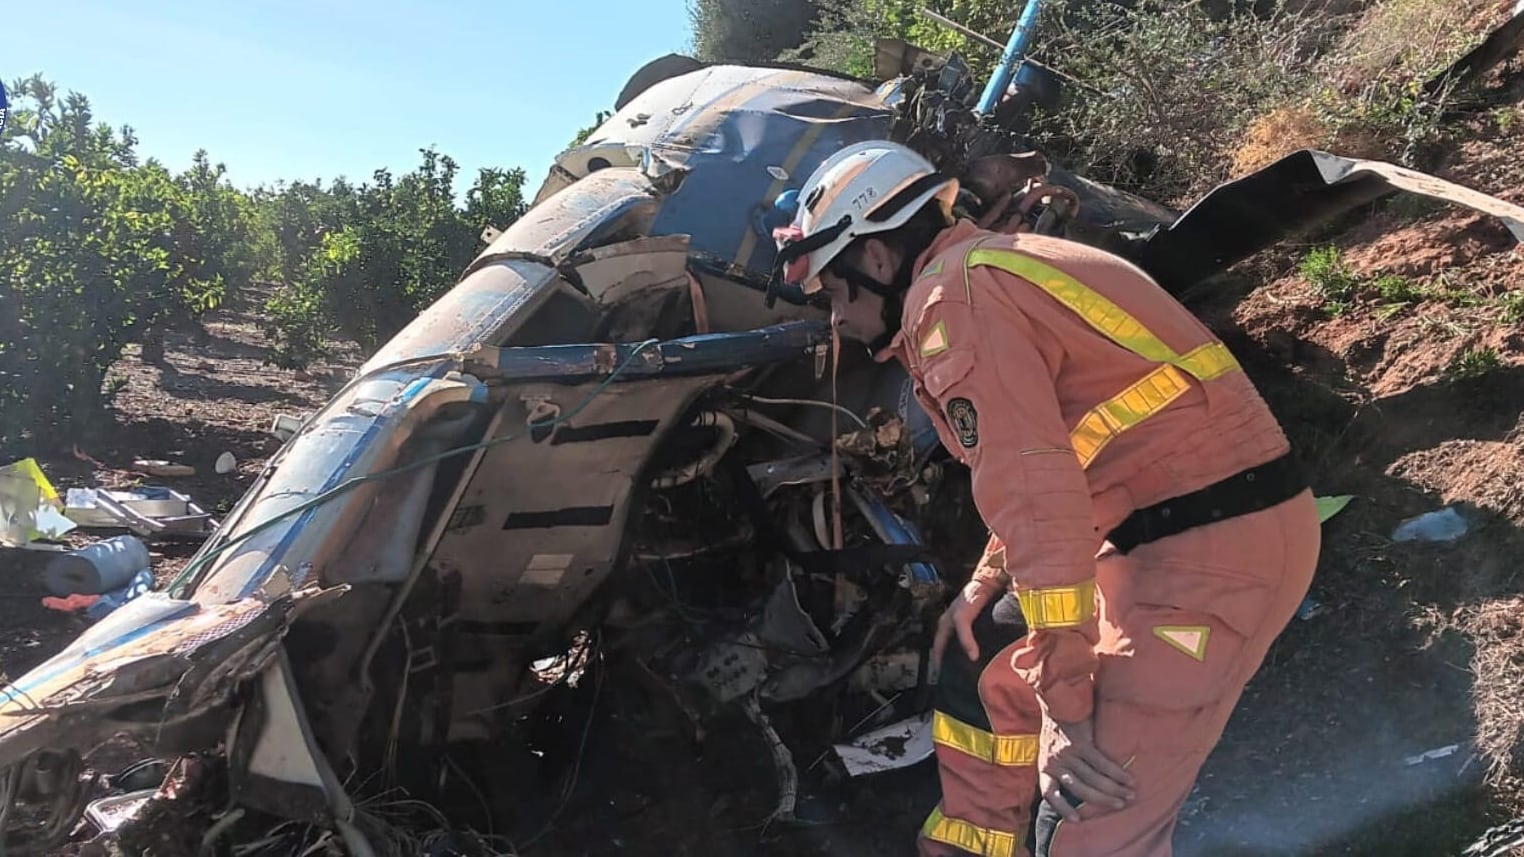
874, 186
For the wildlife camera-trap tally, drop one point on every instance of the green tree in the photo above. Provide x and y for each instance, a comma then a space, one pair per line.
847, 30
99, 249
497, 198
391, 248
292, 219
749, 31
102, 248
90, 248
582, 135
220, 225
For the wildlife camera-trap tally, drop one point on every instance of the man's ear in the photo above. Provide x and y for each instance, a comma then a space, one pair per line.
879, 259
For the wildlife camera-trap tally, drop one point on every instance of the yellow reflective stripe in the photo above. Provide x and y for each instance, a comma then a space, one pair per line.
1057, 606
1096, 309
1113, 322
969, 837
1126, 409
1208, 361
1003, 750
1140, 401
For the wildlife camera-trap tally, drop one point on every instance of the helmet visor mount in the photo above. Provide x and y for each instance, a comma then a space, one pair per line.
792, 265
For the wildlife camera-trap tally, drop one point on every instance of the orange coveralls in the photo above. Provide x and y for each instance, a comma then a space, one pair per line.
1077, 390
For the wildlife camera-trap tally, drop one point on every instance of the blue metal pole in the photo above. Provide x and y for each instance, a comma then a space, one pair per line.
1015, 49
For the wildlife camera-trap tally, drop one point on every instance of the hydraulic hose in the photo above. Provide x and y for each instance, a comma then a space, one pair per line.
706, 462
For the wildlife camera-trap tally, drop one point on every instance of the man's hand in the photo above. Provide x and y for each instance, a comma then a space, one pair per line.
960, 615
1074, 762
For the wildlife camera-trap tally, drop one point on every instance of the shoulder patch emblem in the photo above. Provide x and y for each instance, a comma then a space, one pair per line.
931, 270
965, 421
936, 340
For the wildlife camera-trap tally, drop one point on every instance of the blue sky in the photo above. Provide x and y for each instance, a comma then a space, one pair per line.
318, 88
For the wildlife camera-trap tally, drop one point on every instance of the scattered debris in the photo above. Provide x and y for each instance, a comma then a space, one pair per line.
898, 745
226, 463
110, 813
883, 450
97, 569
1445, 525
1310, 609
438, 653
81, 455
147, 511
1330, 506
1430, 755
99, 606
70, 603
146, 799
889, 671
143, 774
159, 467
29, 505
783, 763
1499, 841
284, 426
784, 636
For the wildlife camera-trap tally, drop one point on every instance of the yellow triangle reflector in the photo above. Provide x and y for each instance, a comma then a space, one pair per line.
935, 341
1191, 639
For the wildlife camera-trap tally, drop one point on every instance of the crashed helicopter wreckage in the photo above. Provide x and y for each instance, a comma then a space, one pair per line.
610, 434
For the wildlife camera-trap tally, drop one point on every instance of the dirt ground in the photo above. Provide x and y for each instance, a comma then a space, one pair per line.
1412, 647
202, 400
1404, 656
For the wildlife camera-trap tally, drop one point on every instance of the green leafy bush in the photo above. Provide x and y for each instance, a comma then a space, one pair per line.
374, 255
1170, 89
99, 249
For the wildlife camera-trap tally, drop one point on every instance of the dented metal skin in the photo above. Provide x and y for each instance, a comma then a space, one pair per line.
505, 543
394, 581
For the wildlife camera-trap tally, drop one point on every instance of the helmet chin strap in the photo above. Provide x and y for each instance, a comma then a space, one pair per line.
892, 293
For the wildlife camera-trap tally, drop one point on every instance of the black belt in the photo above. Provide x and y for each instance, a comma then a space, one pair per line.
1252, 490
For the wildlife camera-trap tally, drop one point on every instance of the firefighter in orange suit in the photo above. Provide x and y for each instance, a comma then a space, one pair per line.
1143, 509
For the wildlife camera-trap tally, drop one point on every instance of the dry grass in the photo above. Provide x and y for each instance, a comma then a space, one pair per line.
1496, 628
1276, 134
1362, 97
1287, 129
1411, 38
